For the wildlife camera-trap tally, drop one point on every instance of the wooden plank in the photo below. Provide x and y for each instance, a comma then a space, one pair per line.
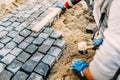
47, 19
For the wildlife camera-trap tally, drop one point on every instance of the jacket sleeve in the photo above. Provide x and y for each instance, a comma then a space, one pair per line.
107, 59
69, 3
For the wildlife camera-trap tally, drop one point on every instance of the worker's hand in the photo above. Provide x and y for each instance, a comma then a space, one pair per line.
61, 6
79, 66
97, 42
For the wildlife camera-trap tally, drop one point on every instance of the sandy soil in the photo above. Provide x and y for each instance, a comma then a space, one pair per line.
72, 25
7, 6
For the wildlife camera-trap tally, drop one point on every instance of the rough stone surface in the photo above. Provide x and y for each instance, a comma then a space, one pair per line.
14, 66
16, 51
29, 39
23, 45
48, 59
11, 45
60, 43
23, 57
35, 76
49, 41
8, 59
48, 30
56, 35
25, 33
12, 34
38, 41
44, 48
20, 76
6, 40
42, 69
1, 45
44, 35
18, 39
31, 49
5, 75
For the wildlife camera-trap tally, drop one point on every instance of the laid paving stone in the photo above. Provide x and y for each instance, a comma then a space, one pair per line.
23, 45
2, 28
60, 43
20, 76
44, 48
48, 30
4, 52
1, 45
9, 28
18, 39
42, 69
11, 45
12, 19
38, 41
20, 27
25, 33
6, 40
12, 34
55, 51
8, 59
29, 39
16, 51
5, 75
15, 24
23, 57
44, 35
49, 41
35, 76
7, 23
48, 59
56, 35
5, 19
15, 66
3, 34
2, 67
31, 49
21, 19
90, 28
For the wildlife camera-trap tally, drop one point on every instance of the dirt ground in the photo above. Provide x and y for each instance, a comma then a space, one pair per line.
72, 25
7, 6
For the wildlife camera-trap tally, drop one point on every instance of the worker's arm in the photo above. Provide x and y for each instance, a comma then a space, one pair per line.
68, 4
107, 59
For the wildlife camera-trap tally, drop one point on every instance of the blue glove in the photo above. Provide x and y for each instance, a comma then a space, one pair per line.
79, 66
61, 6
97, 42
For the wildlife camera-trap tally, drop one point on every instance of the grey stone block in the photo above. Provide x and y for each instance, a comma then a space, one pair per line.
3, 34
20, 27
35, 76
8, 59
5, 75
2, 67
48, 30
2, 28
21, 19
7, 23
6, 40
15, 66
16, 51
1, 45
15, 24
18, 39
25, 33
90, 28
5, 19
4, 52
33, 34
55, 51
11, 45
42, 69
44, 48
44, 35
9, 28
38, 41
60, 43
29, 39
49, 41
23, 45
20, 76
48, 59
31, 49
12, 34
23, 57
12, 19
56, 35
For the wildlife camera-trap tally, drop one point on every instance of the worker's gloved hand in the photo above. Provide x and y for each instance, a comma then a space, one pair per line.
97, 42
79, 66
61, 6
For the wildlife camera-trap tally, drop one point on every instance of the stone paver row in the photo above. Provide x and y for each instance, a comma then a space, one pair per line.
26, 55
